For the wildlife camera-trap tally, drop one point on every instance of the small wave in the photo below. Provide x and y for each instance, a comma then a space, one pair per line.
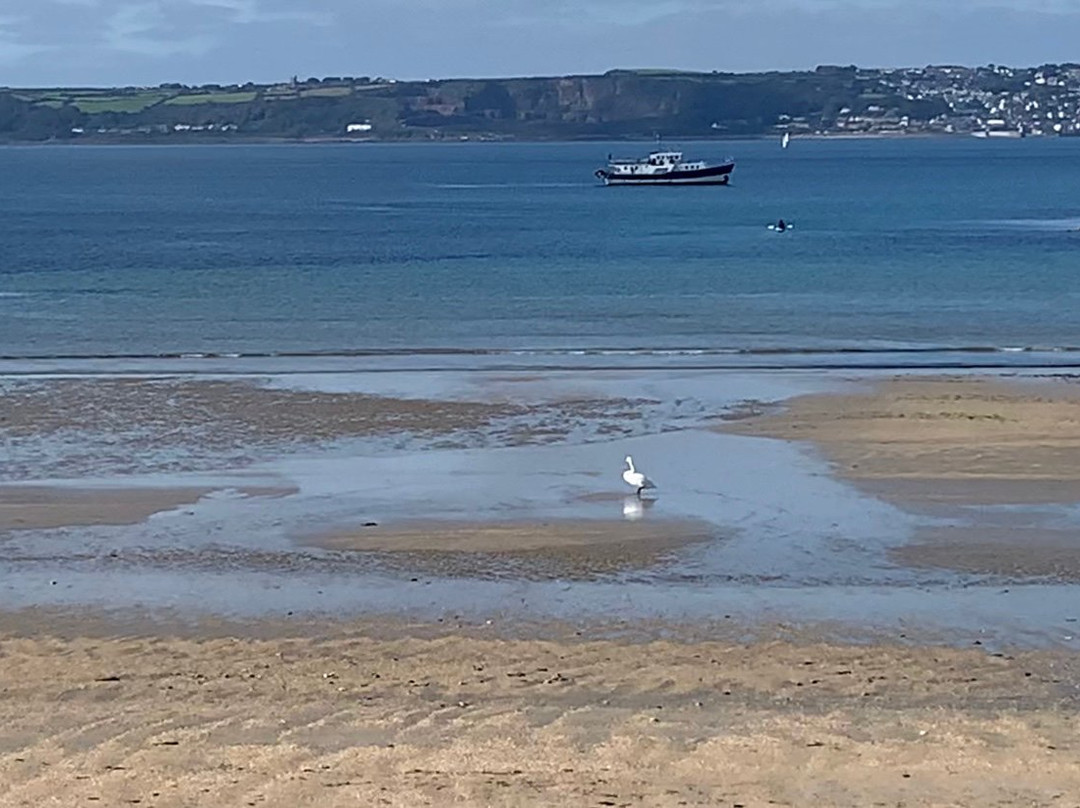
14, 294
1044, 225
643, 352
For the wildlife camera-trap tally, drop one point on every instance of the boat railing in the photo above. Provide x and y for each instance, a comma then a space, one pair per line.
650, 160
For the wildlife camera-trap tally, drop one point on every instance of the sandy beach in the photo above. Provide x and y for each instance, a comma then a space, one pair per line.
205, 640
404, 715
311, 463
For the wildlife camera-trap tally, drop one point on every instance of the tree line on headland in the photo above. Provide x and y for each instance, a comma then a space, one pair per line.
618, 104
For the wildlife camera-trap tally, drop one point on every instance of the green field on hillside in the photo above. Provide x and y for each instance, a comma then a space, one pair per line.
326, 92
136, 102
212, 98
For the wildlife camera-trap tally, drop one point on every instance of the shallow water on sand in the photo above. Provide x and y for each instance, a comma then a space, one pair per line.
783, 538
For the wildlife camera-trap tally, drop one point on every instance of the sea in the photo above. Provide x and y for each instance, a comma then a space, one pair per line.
908, 252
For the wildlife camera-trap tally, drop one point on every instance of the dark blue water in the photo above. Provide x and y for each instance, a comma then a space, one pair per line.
918, 244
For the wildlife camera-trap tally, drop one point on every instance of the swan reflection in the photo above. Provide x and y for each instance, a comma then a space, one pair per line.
634, 508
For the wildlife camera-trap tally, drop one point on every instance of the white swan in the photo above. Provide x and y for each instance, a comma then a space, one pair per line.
635, 479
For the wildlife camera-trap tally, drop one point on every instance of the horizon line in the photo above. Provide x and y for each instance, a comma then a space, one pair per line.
519, 77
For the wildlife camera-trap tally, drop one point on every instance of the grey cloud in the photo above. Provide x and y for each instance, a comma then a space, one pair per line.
12, 48
152, 30
118, 23
149, 41
11, 51
246, 12
137, 41
616, 11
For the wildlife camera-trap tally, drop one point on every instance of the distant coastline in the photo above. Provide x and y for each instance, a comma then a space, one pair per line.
632, 105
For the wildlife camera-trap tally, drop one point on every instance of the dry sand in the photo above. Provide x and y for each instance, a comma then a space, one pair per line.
946, 446
941, 431
391, 715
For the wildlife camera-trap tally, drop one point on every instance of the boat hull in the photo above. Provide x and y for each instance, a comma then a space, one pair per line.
713, 175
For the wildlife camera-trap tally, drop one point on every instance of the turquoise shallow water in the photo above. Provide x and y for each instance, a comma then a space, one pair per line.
911, 245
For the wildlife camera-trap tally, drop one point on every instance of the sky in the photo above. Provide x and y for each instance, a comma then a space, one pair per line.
147, 42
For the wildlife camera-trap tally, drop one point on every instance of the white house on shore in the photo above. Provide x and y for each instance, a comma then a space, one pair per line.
356, 128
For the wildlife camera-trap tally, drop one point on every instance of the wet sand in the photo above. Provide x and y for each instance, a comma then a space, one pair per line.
514, 537
37, 508
958, 448
221, 412
392, 714
43, 507
91, 427
77, 427
1019, 552
580, 549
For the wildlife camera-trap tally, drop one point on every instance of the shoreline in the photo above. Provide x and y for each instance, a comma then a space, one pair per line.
469, 139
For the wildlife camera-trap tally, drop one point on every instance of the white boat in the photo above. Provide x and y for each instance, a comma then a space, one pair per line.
785, 140
665, 168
